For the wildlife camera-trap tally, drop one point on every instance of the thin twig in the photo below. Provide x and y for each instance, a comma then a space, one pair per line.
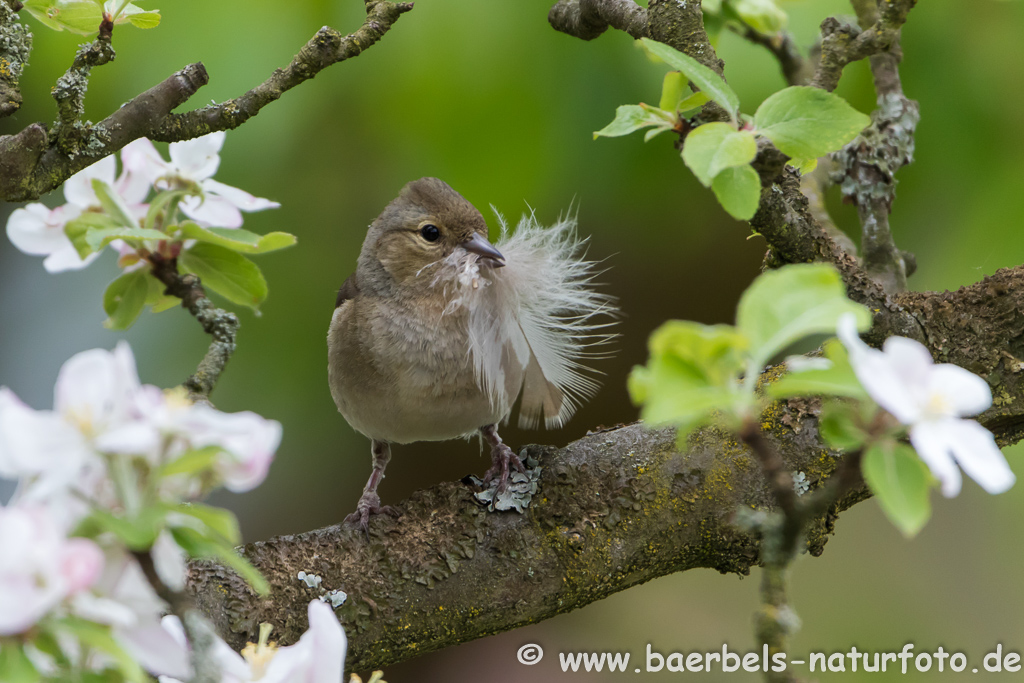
198, 630
587, 19
795, 68
70, 132
31, 170
220, 324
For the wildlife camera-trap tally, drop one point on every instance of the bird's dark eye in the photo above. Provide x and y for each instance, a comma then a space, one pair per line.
430, 232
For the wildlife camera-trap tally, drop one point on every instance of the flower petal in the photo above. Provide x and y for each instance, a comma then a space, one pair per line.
78, 188
141, 159
240, 198
198, 159
929, 440
96, 388
37, 443
963, 392
976, 451
67, 258
212, 211
36, 230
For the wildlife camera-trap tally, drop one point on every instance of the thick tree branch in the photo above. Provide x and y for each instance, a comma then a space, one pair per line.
613, 510
33, 166
587, 19
15, 47
220, 324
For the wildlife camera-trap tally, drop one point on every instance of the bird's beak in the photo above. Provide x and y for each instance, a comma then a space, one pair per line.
479, 245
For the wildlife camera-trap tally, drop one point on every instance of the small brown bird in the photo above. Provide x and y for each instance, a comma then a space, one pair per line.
438, 332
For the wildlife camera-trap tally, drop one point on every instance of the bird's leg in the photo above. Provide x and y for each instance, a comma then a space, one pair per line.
369, 502
501, 456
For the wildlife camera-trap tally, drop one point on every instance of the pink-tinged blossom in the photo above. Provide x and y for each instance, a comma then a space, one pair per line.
318, 656
38, 230
193, 163
932, 399
40, 567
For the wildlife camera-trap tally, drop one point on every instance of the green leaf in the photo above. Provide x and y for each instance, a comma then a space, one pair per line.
125, 298
672, 88
785, 305
201, 547
805, 166
192, 462
900, 482
226, 272
691, 372
838, 379
99, 637
140, 18
79, 228
97, 239
15, 666
701, 76
764, 16
710, 148
84, 16
219, 521
157, 300
633, 117
693, 102
840, 426
807, 123
738, 190
161, 209
113, 204
138, 533
238, 239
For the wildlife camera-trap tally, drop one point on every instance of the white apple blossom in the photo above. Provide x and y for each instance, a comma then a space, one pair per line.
318, 657
194, 162
38, 230
931, 399
102, 411
40, 566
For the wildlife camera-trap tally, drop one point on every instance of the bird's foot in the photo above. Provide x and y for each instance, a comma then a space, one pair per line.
369, 504
501, 457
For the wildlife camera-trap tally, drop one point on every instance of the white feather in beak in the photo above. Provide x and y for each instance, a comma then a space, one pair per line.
533, 321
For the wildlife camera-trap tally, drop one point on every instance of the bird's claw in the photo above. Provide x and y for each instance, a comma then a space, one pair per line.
369, 504
501, 457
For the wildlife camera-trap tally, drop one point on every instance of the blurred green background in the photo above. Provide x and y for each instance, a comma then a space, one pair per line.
488, 97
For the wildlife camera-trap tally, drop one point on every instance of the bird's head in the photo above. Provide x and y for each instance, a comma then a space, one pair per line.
427, 225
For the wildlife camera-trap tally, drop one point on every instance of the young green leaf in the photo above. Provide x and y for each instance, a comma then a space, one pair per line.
113, 204
15, 666
805, 166
901, 483
633, 117
226, 272
138, 533
221, 522
125, 298
692, 103
672, 88
84, 16
840, 426
79, 228
807, 123
99, 637
201, 547
738, 190
238, 239
837, 379
191, 462
764, 16
156, 299
710, 148
691, 372
701, 76
785, 305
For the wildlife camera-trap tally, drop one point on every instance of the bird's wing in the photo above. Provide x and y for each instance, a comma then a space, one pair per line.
348, 290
